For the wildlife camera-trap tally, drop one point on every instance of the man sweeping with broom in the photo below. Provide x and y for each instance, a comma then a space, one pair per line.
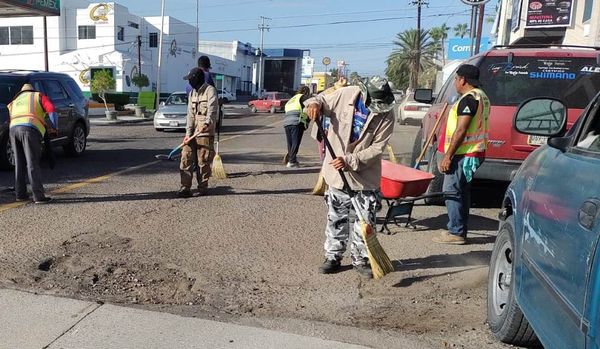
361, 123
198, 151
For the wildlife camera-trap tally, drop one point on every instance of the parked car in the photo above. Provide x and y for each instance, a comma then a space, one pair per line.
509, 75
409, 111
544, 278
71, 109
270, 102
227, 96
172, 113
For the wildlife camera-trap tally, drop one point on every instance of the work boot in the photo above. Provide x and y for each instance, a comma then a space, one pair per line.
292, 165
201, 191
330, 266
450, 239
364, 270
184, 193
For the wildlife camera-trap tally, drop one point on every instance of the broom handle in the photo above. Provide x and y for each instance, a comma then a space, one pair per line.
430, 138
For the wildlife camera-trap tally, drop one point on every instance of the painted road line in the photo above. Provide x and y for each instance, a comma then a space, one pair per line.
74, 186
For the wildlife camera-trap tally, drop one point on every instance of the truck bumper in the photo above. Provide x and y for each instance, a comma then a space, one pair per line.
498, 170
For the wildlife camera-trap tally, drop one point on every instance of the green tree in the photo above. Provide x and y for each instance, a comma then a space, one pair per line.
461, 30
141, 81
103, 82
405, 58
354, 76
439, 36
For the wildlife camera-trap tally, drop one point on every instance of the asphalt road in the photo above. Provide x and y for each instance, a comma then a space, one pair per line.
248, 252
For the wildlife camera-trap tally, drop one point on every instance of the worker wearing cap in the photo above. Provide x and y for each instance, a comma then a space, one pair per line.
31, 115
361, 123
198, 152
465, 141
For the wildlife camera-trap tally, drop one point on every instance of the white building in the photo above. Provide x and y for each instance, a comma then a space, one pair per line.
573, 22
91, 36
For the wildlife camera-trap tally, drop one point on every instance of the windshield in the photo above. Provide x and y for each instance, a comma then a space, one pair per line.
9, 86
178, 99
573, 80
282, 96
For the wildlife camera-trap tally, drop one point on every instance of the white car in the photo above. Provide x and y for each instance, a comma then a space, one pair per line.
172, 114
411, 111
226, 96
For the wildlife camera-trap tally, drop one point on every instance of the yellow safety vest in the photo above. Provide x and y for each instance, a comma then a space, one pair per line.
26, 109
476, 137
294, 105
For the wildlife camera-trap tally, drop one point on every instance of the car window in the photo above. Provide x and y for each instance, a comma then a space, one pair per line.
573, 80
178, 99
9, 86
54, 90
73, 89
283, 96
448, 91
590, 136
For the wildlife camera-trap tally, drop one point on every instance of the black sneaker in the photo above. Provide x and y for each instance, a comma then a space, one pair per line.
43, 200
184, 193
23, 199
330, 266
364, 270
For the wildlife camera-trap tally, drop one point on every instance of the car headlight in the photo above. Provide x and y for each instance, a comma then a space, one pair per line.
159, 115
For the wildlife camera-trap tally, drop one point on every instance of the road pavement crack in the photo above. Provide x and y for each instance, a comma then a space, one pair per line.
94, 308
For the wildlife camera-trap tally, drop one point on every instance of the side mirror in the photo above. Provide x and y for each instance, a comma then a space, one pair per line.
424, 95
544, 116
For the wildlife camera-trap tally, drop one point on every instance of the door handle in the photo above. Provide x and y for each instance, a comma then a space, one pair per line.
588, 213
72, 105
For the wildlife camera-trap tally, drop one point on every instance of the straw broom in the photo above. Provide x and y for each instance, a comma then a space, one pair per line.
391, 154
378, 259
320, 187
218, 171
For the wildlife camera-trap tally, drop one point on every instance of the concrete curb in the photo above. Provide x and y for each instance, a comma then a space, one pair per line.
120, 121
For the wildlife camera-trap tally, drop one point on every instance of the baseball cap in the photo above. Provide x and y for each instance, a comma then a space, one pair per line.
192, 73
470, 73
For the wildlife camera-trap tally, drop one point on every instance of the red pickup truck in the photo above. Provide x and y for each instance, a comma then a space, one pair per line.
510, 75
270, 102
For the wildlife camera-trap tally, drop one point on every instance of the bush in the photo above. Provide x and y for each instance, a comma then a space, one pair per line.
118, 99
141, 81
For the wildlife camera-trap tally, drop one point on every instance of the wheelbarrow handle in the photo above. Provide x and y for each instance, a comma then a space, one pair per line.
347, 189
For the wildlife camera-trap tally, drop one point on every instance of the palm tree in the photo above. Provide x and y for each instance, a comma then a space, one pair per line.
461, 30
404, 60
439, 36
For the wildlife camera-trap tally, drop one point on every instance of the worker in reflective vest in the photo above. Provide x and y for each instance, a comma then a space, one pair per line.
465, 142
295, 122
31, 115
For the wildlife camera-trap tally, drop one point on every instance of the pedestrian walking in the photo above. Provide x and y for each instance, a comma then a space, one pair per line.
361, 123
198, 151
464, 144
31, 116
295, 122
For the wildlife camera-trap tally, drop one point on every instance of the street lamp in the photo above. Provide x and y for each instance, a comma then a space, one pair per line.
160, 41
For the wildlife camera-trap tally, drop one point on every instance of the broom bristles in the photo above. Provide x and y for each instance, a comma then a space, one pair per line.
321, 187
391, 154
379, 260
218, 171
285, 159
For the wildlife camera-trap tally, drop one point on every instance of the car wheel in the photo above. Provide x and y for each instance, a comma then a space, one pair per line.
438, 181
7, 157
77, 141
273, 110
506, 319
253, 109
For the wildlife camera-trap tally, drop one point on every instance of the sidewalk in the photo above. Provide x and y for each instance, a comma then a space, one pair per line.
30, 321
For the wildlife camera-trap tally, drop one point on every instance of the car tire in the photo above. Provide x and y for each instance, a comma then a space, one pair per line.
253, 109
77, 141
7, 160
273, 110
506, 320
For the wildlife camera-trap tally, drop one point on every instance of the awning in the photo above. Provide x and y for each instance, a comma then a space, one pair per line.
29, 8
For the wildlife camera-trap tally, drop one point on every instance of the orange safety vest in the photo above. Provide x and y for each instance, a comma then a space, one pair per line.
477, 134
26, 110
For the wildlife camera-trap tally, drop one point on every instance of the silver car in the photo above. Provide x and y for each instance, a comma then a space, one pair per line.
172, 113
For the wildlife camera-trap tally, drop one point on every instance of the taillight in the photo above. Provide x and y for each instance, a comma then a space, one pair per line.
411, 108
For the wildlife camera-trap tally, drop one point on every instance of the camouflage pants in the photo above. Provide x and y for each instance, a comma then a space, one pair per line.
200, 152
343, 226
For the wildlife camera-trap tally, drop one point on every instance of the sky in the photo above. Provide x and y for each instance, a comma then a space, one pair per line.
364, 43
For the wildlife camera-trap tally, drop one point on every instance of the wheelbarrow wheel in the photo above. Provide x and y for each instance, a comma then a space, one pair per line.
436, 183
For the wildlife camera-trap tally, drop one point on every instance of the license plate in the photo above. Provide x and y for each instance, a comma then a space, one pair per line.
423, 108
537, 140
173, 123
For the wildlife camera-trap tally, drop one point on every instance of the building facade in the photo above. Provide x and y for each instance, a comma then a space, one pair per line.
572, 22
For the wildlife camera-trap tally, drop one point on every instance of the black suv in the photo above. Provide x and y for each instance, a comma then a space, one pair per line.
71, 109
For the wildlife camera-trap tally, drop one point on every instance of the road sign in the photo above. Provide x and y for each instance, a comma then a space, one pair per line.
326, 61
460, 48
219, 77
475, 2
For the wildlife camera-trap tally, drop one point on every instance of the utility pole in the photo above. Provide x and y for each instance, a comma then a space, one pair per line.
479, 28
197, 25
262, 27
139, 45
46, 64
414, 80
160, 42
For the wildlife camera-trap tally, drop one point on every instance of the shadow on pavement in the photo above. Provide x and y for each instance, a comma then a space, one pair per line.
471, 258
406, 282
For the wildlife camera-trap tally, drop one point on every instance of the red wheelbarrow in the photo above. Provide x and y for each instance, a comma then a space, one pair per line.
401, 186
